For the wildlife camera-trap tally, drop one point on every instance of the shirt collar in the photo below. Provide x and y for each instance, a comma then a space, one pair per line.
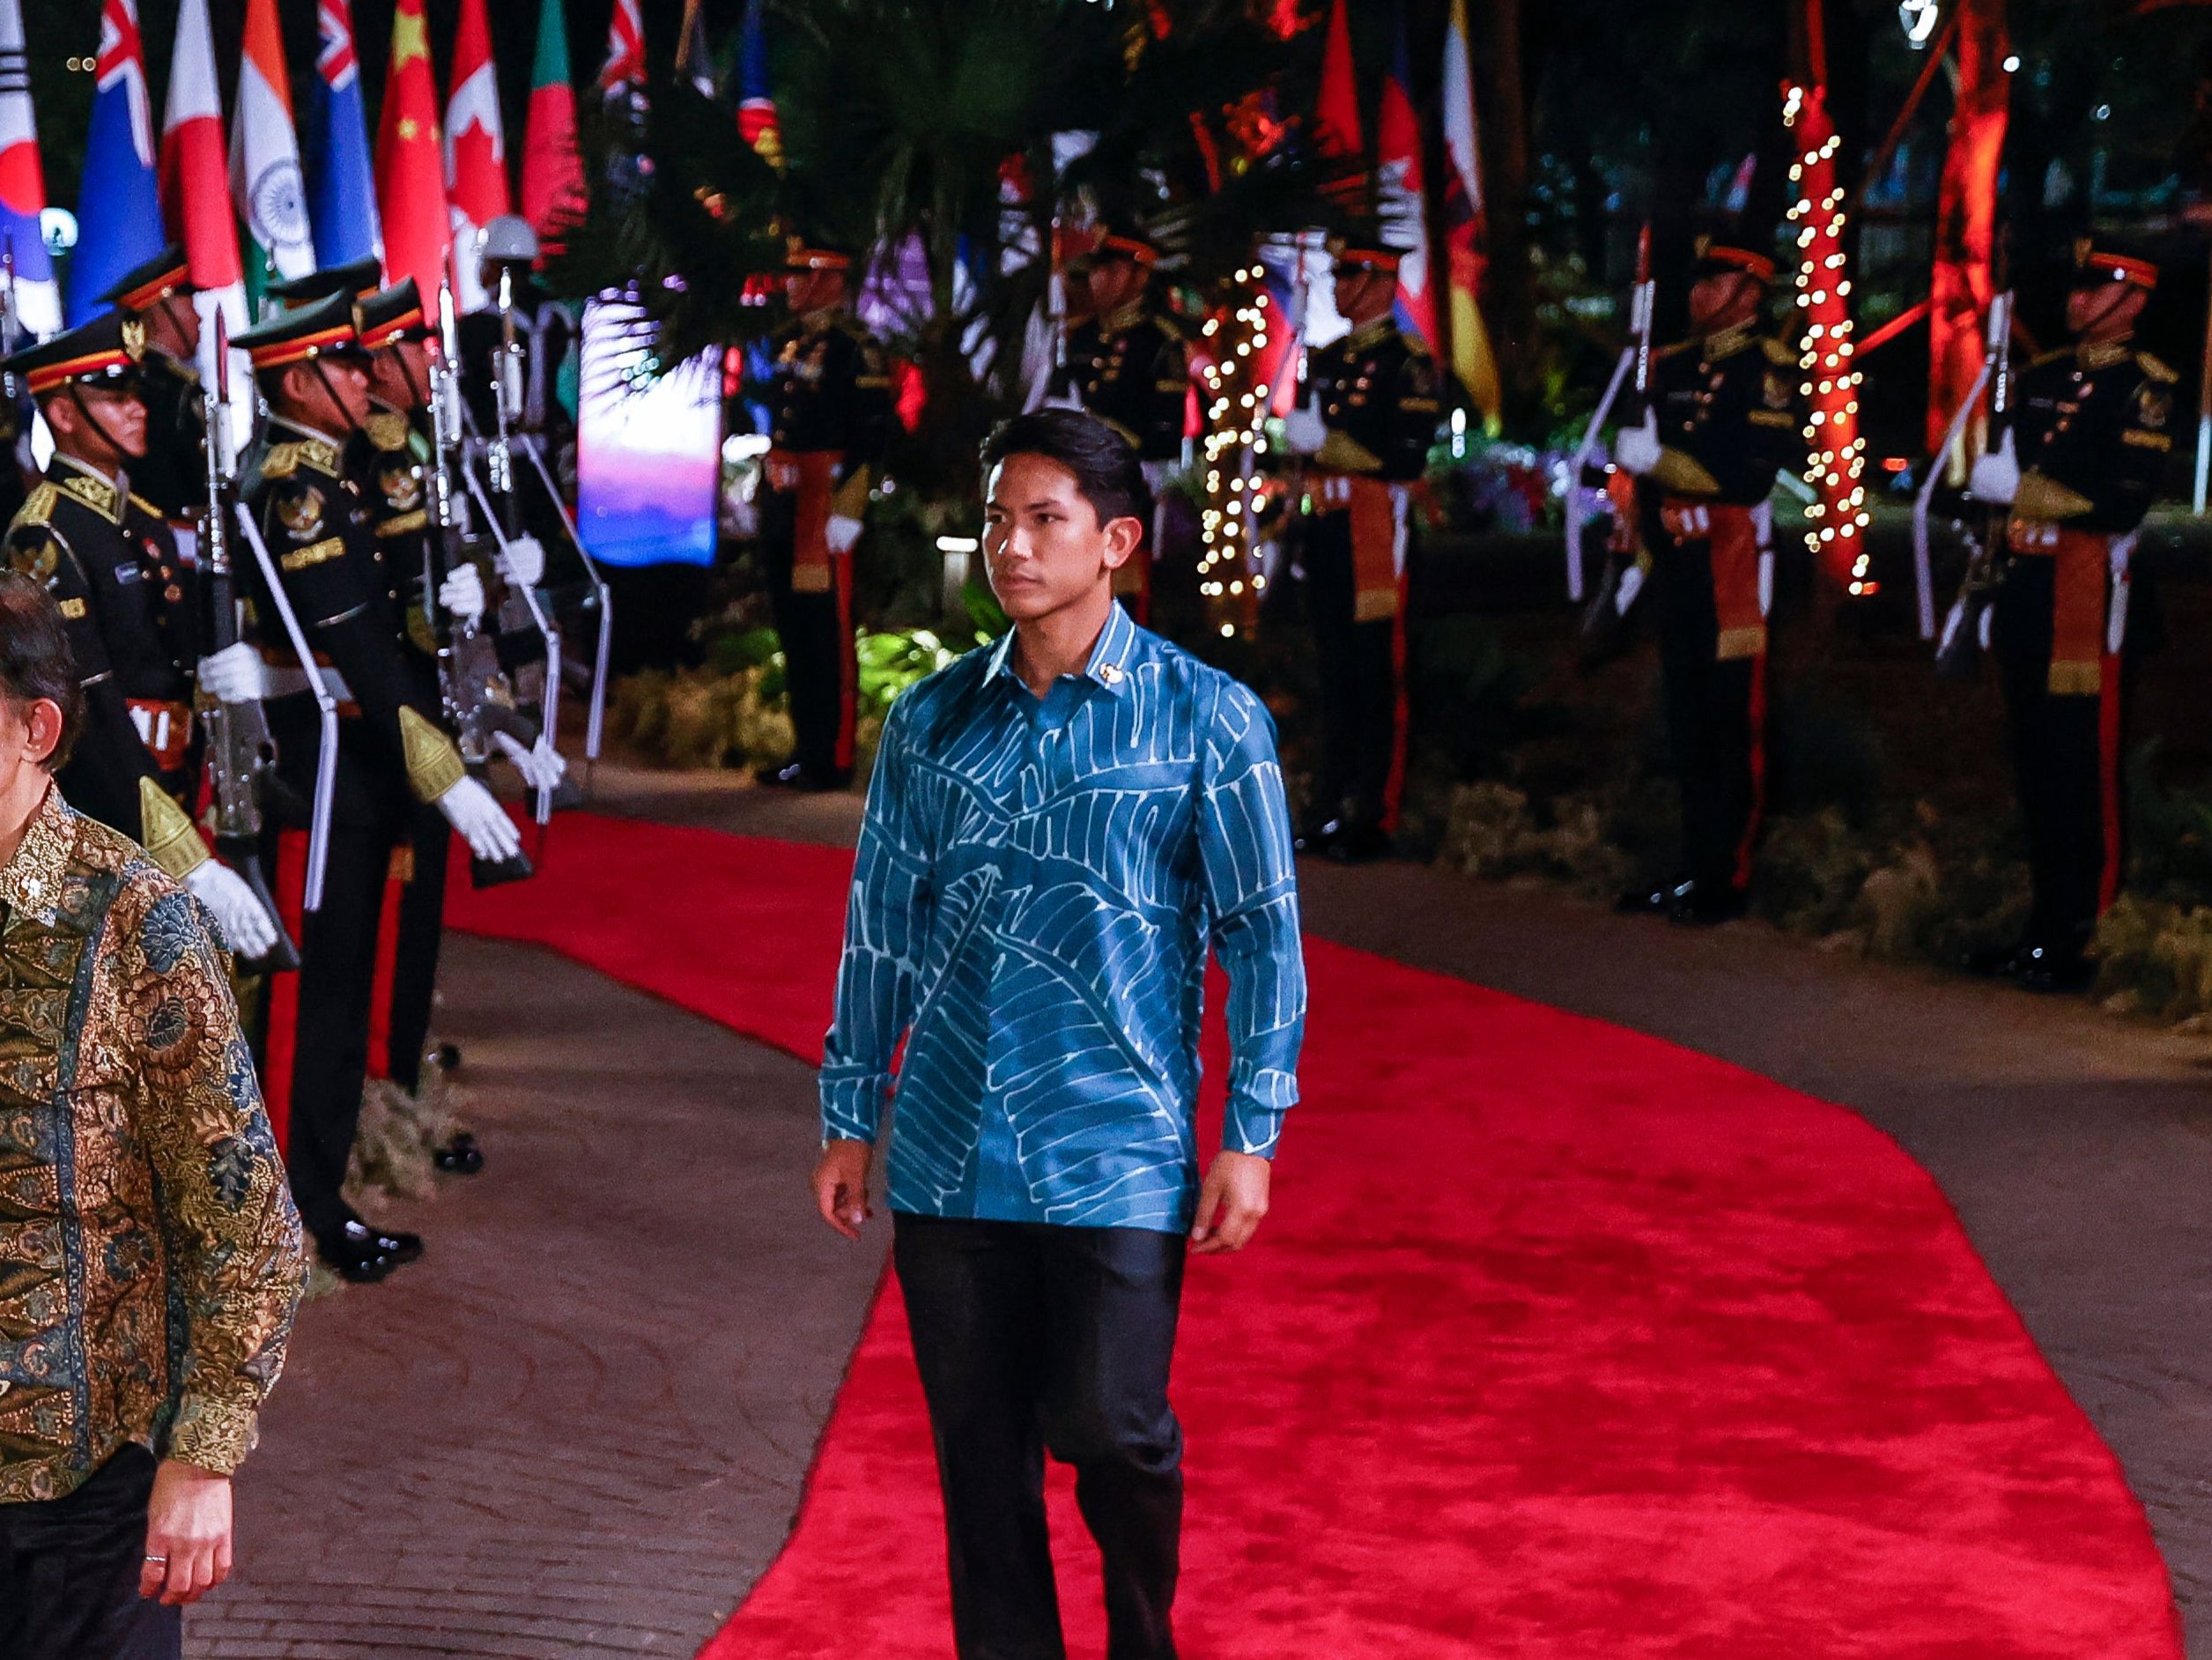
1109, 658
31, 882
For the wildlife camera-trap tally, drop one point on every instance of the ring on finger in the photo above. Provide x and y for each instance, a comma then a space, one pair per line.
162, 1560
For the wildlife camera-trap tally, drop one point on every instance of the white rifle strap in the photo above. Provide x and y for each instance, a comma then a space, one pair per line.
326, 760
1923, 568
595, 726
551, 731
1582, 451
2123, 557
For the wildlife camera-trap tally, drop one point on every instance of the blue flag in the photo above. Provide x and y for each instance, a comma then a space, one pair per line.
118, 203
340, 183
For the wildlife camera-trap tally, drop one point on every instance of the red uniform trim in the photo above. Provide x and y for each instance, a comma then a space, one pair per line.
283, 991
1393, 788
848, 662
1758, 818
2108, 781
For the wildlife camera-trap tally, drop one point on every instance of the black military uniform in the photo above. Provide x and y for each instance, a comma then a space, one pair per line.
131, 608
831, 407
1132, 370
172, 474
354, 602
392, 462
2092, 427
1729, 418
1377, 390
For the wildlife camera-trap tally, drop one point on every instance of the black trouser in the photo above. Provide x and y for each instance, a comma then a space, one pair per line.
816, 632
69, 1572
371, 810
1354, 662
1032, 1337
2057, 758
1714, 724
422, 923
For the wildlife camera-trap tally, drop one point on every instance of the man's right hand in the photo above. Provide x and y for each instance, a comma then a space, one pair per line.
840, 1185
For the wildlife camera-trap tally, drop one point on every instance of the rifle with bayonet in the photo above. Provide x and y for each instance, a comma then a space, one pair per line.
241, 757
478, 699
1604, 625
1958, 651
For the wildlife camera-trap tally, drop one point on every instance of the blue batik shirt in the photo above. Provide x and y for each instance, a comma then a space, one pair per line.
1037, 884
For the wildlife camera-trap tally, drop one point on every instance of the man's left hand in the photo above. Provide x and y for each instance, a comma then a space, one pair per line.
1231, 1204
187, 1533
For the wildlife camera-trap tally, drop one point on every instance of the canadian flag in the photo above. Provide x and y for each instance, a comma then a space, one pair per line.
625, 46
475, 152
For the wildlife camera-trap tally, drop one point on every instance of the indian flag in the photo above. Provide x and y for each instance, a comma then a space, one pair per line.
266, 184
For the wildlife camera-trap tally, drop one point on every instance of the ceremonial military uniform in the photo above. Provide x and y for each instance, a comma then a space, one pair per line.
1131, 368
1729, 418
131, 612
392, 462
172, 473
831, 409
365, 627
1377, 391
2092, 429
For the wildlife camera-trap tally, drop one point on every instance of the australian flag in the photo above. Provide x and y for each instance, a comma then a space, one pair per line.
340, 183
118, 203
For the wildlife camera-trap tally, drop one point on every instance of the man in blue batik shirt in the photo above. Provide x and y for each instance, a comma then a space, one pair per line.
1058, 829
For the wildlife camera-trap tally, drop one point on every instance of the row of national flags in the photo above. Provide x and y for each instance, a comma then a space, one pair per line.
1401, 195
249, 204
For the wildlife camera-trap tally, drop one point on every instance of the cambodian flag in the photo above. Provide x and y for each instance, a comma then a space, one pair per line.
118, 203
341, 184
1403, 207
757, 120
22, 183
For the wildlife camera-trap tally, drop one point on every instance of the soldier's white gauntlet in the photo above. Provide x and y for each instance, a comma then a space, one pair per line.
247, 929
1996, 476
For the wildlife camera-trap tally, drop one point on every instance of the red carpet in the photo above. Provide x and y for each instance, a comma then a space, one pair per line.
1561, 1342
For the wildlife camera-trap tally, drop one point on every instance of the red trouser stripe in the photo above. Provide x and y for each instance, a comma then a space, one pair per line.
283, 992
2108, 779
380, 1035
1393, 788
848, 662
1755, 819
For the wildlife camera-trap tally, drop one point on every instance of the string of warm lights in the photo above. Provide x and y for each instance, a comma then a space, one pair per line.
1835, 453
1232, 486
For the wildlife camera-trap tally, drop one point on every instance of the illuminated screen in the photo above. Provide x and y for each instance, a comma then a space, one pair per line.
648, 452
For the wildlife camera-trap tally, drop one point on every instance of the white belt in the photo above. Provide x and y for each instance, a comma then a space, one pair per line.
285, 681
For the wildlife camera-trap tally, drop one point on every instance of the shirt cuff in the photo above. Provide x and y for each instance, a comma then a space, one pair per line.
1257, 1107
853, 1106
212, 1435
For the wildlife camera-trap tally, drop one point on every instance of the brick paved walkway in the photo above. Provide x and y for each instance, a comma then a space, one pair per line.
579, 1425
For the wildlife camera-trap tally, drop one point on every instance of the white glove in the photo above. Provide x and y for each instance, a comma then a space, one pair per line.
483, 823
541, 765
1637, 448
461, 593
234, 674
247, 929
523, 559
1304, 429
842, 533
1996, 476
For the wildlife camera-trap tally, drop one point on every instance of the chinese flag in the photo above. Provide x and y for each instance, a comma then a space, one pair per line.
410, 171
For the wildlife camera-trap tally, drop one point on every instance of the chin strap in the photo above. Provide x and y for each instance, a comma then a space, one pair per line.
337, 403
98, 426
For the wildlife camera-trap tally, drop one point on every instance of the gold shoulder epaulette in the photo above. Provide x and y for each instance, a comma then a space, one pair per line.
2038, 361
388, 429
1781, 355
1677, 349
37, 508
2155, 369
145, 506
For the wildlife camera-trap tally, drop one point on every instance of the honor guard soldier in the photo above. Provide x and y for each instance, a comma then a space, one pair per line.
128, 602
377, 662
394, 471
1724, 418
1131, 369
2091, 427
172, 473
830, 401
1366, 419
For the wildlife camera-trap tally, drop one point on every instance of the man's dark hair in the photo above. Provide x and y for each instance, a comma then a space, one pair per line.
1108, 475
35, 659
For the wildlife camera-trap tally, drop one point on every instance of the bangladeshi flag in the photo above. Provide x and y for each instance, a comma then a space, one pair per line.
552, 172
410, 174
